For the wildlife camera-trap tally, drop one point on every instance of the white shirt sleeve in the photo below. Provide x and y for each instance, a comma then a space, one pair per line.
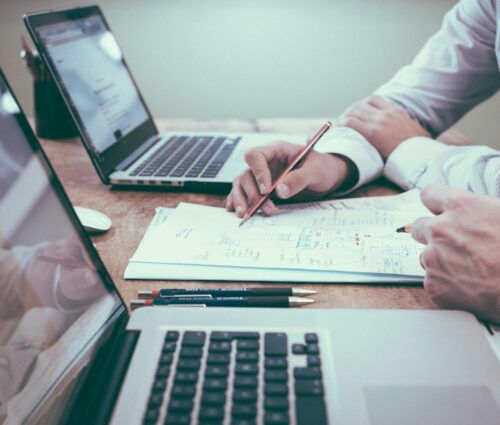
420, 160
349, 143
457, 68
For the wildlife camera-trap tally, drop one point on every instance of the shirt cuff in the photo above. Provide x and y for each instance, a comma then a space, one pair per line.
409, 160
351, 144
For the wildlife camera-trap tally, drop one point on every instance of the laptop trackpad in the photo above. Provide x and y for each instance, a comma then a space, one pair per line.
396, 405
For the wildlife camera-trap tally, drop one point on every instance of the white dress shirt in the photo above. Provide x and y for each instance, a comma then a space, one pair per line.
456, 69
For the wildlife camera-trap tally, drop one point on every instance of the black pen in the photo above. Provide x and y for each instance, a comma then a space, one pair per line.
280, 301
225, 292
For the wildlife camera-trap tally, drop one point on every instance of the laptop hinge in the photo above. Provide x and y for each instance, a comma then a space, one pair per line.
141, 150
102, 384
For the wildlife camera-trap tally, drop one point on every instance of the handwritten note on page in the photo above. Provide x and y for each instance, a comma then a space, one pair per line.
319, 238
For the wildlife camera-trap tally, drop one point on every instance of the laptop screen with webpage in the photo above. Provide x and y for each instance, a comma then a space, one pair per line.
90, 70
55, 296
89, 63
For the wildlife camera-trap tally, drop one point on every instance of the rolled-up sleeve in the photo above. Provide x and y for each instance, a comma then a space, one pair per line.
347, 142
419, 161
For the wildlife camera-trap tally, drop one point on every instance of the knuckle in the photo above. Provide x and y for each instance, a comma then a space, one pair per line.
437, 230
251, 155
457, 200
431, 286
430, 257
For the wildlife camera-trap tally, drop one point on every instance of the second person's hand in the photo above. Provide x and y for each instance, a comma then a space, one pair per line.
316, 175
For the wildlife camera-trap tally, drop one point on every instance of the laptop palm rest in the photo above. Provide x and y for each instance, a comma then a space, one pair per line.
417, 405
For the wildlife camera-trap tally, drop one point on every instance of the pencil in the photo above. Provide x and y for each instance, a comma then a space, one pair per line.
301, 155
404, 229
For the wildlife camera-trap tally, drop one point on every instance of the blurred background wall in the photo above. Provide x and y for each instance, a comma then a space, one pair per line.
259, 58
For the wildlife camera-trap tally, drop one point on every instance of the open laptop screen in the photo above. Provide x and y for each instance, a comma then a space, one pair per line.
55, 297
90, 65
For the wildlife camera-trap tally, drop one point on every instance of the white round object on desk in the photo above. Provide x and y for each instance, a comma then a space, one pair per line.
93, 221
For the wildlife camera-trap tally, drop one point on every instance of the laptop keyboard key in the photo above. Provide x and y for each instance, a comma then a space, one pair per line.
180, 405
246, 369
247, 356
276, 389
248, 345
186, 378
162, 371
307, 373
275, 376
245, 335
218, 359
275, 344
312, 349
310, 410
219, 347
159, 385
313, 361
191, 352
214, 385
178, 419
276, 363
276, 403
244, 396
172, 336
193, 339
242, 381
183, 391
312, 387
169, 347
221, 336
281, 418
242, 421
166, 359
299, 349
151, 416
244, 410
213, 398
311, 338
211, 413
188, 364
217, 371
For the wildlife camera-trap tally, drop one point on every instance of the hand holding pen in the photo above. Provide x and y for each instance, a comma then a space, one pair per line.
315, 175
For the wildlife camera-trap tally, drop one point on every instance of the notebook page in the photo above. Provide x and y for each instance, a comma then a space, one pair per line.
312, 239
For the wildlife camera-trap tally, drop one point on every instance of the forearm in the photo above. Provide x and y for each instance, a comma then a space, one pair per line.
420, 161
455, 70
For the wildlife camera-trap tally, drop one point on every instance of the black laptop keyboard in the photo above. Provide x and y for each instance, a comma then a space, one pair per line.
188, 156
237, 378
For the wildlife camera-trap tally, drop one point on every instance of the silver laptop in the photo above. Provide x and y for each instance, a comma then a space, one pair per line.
70, 353
113, 120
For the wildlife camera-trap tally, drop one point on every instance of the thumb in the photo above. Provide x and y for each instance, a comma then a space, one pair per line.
294, 182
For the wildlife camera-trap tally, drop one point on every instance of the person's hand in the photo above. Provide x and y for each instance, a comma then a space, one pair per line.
384, 125
461, 258
316, 175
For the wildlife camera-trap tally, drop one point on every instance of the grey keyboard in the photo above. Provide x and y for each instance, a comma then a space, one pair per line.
241, 378
188, 156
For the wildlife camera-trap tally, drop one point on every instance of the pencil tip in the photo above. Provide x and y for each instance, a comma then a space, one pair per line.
296, 301
400, 230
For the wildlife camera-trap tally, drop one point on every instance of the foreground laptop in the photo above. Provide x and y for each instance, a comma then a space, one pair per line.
113, 120
70, 353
